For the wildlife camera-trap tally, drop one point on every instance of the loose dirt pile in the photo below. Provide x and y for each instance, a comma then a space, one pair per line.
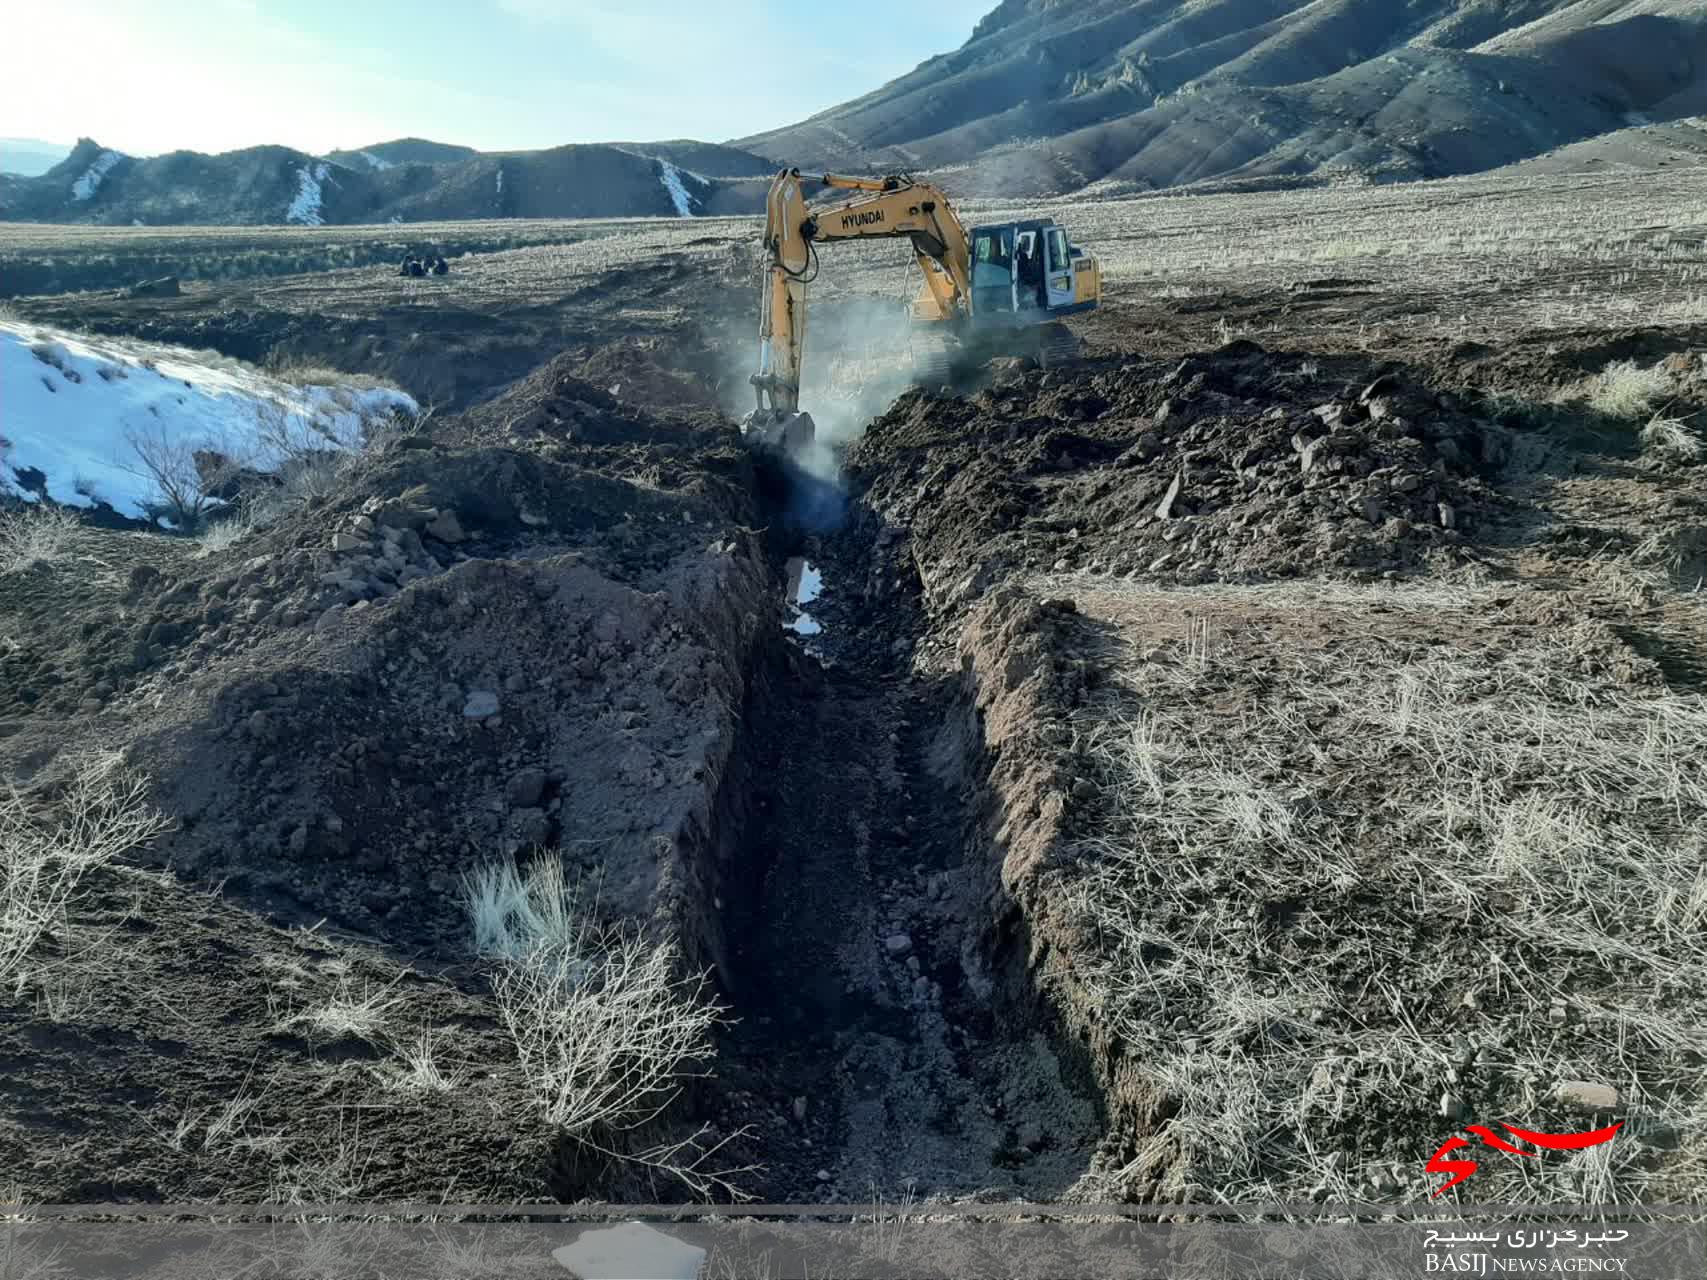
1236, 465
535, 630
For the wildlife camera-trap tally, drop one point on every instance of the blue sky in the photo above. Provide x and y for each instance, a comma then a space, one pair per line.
152, 75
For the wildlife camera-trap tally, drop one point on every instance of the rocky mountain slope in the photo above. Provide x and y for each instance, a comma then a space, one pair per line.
409, 180
1142, 94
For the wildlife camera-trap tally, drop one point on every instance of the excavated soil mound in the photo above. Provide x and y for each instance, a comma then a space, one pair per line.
1233, 465
532, 630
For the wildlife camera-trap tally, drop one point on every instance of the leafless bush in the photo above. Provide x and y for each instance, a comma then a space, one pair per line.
45, 855
169, 462
35, 535
606, 1030
315, 451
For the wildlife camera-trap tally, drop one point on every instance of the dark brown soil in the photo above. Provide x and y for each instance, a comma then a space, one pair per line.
558, 621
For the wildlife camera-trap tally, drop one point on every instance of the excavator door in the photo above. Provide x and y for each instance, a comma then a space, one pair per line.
994, 287
1058, 271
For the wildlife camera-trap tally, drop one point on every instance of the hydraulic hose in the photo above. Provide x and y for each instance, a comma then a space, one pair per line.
812, 267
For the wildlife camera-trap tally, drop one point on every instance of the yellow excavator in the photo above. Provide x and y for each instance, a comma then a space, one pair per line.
998, 288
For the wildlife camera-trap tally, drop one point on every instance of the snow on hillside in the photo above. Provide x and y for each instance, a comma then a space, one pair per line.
86, 186
305, 209
378, 164
677, 190
73, 404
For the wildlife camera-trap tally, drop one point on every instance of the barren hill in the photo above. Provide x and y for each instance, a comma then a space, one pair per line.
1097, 96
1150, 93
407, 180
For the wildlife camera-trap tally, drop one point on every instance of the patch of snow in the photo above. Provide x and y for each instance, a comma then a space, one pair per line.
805, 584
809, 584
305, 209
86, 186
73, 401
676, 189
627, 1250
500, 182
375, 161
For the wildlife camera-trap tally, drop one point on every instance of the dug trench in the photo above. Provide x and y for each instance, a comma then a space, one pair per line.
556, 624
563, 622
880, 1049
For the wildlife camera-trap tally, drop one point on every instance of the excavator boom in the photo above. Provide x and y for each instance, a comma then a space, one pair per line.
881, 208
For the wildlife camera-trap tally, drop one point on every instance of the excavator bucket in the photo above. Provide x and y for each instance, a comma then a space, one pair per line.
771, 432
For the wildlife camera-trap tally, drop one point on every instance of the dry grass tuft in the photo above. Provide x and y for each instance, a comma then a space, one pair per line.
225, 532
349, 1011
49, 847
421, 1069
1672, 438
35, 535
1351, 896
1627, 391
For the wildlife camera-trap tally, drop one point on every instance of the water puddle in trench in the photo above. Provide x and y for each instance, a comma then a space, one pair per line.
805, 584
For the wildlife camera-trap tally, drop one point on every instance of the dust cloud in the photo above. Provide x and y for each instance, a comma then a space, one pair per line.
857, 360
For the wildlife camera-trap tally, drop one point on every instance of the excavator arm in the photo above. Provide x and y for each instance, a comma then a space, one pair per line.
886, 208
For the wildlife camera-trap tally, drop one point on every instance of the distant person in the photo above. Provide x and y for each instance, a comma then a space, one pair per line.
441, 267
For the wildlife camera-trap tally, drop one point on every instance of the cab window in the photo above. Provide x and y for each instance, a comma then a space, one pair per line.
992, 259
1057, 249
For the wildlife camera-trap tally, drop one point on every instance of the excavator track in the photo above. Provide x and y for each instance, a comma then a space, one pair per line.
1059, 346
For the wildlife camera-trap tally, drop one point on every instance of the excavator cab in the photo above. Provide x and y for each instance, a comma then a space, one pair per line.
1027, 273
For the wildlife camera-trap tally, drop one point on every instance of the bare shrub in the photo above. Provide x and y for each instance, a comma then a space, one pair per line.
316, 451
1626, 390
606, 1029
37, 534
169, 461
45, 853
